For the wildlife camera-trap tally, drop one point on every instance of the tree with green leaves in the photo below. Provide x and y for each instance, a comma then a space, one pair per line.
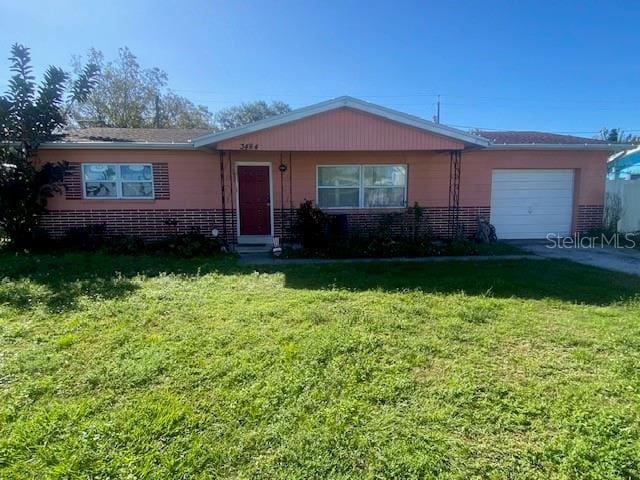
246, 113
31, 114
130, 96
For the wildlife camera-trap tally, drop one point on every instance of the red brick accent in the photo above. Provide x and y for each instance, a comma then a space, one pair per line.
158, 223
149, 224
283, 222
438, 219
73, 182
434, 220
161, 181
589, 217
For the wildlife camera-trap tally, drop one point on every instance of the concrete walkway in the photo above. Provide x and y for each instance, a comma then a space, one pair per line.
267, 259
625, 260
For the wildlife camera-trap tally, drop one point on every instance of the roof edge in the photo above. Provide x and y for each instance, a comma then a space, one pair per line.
343, 102
116, 146
615, 147
623, 154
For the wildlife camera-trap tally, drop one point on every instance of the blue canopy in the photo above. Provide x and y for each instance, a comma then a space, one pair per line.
624, 166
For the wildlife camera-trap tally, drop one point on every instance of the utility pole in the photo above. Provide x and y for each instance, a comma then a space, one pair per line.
438, 110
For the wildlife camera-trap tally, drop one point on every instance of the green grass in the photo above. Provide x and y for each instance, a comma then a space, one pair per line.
466, 248
499, 248
152, 367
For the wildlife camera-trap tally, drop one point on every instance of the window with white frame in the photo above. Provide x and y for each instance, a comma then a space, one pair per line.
120, 180
362, 186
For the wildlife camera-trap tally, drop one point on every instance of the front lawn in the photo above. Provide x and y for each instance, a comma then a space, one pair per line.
429, 249
152, 367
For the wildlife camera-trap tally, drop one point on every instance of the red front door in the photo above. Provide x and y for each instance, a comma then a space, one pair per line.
254, 200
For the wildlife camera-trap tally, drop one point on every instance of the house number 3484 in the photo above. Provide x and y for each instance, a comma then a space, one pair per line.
248, 146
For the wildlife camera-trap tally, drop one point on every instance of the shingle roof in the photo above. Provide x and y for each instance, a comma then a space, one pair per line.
152, 135
187, 135
339, 103
535, 138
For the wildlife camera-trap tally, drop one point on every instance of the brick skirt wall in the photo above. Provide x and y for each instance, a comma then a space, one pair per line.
589, 217
435, 220
148, 224
158, 223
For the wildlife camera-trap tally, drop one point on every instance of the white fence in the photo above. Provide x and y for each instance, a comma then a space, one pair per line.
628, 193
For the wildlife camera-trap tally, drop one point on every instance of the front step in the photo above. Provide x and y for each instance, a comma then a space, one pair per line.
253, 247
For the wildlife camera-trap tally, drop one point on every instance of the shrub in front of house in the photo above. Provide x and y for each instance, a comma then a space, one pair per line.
192, 244
91, 238
125, 245
321, 235
310, 228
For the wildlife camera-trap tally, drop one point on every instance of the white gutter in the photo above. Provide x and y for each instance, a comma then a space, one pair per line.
617, 147
116, 146
561, 146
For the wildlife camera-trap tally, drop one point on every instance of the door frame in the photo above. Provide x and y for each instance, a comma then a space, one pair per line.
237, 196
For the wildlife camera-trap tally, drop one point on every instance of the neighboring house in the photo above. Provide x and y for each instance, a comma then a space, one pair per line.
624, 165
623, 189
348, 156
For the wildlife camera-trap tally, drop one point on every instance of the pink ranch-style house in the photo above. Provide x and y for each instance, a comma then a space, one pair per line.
348, 156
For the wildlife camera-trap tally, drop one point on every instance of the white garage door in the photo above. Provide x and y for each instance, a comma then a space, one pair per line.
531, 203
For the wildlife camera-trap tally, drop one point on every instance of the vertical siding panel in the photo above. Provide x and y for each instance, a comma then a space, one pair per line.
343, 129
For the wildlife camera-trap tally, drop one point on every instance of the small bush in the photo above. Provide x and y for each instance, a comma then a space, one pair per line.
126, 245
612, 213
415, 214
310, 227
95, 238
89, 237
461, 247
396, 235
188, 245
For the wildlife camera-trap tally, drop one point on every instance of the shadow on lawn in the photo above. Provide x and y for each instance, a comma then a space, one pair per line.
58, 282
60, 293
529, 279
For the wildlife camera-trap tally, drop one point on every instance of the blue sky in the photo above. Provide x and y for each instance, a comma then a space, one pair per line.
564, 66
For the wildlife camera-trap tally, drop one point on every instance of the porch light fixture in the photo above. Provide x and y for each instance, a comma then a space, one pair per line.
282, 167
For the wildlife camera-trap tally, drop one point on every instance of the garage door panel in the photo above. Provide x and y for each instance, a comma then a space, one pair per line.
530, 203
549, 220
538, 185
523, 211
517, 231
533, 175
531, 235
551, 197
511, 187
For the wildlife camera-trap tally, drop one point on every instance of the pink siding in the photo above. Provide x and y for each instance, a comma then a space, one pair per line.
477, 166
343, 129
428, 172
194, 178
